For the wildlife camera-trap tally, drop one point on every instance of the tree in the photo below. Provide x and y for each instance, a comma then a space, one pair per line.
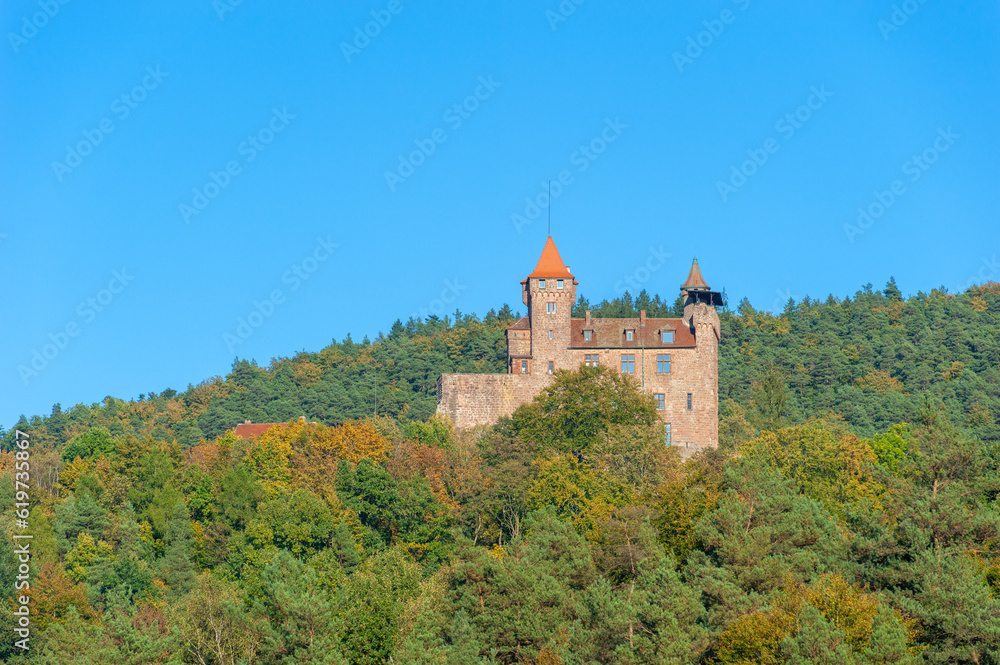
376, 596
76, 515
373, 494
518, 601
304, 621
761, 534
571, 412
176, 567
214, 625
817, 642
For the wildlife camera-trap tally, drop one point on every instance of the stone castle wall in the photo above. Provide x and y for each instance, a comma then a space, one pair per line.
481, 399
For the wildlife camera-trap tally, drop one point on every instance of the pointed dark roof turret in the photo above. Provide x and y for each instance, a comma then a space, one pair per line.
695, 282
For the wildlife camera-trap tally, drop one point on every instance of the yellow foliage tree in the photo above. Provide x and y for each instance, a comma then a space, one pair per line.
825, 459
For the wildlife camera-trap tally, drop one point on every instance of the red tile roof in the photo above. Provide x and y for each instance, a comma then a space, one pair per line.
610, 334
248, 429
695, 282
550, 264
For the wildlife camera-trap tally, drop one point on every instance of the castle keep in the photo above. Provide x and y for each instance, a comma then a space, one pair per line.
674, 360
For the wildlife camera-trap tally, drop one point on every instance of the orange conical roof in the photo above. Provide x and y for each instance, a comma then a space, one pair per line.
695, 282
550, 264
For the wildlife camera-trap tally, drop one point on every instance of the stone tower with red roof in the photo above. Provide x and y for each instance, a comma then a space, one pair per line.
674, 360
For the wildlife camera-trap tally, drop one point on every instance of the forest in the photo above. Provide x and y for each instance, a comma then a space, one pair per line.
850, 514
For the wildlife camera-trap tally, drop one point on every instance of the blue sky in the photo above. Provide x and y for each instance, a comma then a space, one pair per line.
169, 171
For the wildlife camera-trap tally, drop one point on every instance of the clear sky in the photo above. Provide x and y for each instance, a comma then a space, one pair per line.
168, 171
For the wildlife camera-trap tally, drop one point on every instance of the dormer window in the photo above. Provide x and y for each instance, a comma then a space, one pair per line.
559, 283
629, 335
541, 283
667, 336
587, 334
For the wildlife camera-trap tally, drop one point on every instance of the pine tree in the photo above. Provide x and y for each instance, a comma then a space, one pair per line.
888, 642
176, 568
818, 642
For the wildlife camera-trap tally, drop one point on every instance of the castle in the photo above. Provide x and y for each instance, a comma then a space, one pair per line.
674, 360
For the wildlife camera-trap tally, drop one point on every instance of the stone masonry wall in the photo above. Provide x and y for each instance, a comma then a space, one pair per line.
480, 399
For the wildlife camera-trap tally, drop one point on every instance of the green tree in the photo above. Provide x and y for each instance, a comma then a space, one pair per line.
176, 567
817, 642
304, 621
761, 534
571, 412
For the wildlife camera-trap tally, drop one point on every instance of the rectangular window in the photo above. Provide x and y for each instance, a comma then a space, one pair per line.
550, 334
541, 283
552, 367
590, 360
689, 401
586, 335
666, 434
550, 308
628, 363
524, 367
559, 283
628, 335
663, 363
661, 401
667, 336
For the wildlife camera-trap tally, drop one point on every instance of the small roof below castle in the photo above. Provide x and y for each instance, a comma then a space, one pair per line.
246, 430
695, 282
550, 264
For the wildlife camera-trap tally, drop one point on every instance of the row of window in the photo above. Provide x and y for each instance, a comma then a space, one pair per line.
666, 336
661, 401
627, 366
541, 283
662, 363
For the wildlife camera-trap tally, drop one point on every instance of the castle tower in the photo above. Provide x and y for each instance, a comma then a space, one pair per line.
550, 293
702, 318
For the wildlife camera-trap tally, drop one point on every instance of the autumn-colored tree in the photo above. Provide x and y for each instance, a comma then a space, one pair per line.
215, 626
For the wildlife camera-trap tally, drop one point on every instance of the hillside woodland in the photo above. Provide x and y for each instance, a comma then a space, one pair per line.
850, 514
